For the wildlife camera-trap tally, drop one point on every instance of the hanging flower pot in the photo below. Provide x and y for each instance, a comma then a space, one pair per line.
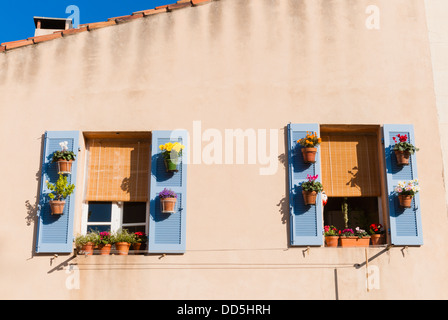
57, 207
405, 200
403, 149
309, 155
406, 191
168, 199
310, 189
64, 166
172, 153
64, 158
171, 165
168, 204
62, 189
309, 146
309, 197
402, 157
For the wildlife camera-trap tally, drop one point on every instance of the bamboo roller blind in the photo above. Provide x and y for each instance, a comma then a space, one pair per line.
350, 165
118, 170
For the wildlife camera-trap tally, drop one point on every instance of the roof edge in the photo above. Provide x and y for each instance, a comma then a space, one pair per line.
7, 46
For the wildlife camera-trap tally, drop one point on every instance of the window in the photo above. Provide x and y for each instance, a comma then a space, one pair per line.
351, 175
117, 182
111, 216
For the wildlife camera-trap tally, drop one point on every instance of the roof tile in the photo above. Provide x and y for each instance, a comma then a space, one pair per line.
129, 18
151, 11
47, 37
179, 5
73, 31
17, 44
196, 3
97, 25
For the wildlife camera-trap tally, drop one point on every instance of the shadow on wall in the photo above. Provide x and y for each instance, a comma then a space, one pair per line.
283, 205
32, 207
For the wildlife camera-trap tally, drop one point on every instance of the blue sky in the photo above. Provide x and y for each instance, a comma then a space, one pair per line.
16, 17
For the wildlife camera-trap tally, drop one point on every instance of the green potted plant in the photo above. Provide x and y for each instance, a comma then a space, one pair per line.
64, 158
406, 191
123, 240
172, 153
140, 239
104, 242
309, 146
403, 149
168, 199
331, 236
60, 191
86, 243
376, 234
310, 189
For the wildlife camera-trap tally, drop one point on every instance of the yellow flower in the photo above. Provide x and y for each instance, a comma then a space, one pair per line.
162, 147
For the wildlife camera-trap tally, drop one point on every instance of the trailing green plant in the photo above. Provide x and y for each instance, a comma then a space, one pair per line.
83, 239
64, 154
123, 235
61, 189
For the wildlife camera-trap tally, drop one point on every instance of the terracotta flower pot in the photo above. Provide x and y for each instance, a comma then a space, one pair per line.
309, 155
136, 246
65, 166
363, 242
57, 207
309, 197
104, 249
122, 248
405, 200
87, 249
331, 241
348, 242
168, 204
376, 239
402, 157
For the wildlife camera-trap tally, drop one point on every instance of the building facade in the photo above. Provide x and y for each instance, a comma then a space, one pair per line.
238, 83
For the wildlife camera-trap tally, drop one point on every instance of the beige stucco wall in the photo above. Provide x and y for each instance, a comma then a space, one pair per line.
436, 11
229, 64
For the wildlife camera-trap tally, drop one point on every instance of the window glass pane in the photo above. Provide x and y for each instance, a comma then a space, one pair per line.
134, 212
99, 212
98, 228
133, 229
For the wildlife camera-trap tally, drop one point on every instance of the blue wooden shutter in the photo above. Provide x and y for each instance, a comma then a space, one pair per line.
405, 223
55, 233
167, 231
305, 221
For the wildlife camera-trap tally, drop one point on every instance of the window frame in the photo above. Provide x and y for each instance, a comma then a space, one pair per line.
383, 209
117, 206
116, 222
